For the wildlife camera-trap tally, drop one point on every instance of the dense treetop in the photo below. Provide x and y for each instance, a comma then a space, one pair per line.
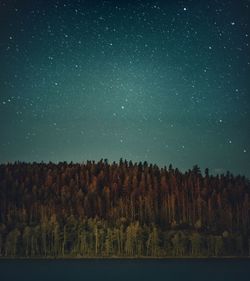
121, 209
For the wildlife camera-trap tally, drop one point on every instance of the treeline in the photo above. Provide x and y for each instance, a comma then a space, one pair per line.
121, 209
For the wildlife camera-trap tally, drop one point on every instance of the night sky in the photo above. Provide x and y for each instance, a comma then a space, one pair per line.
157, 81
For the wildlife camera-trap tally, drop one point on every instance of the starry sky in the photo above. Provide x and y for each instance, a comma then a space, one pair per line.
157, 81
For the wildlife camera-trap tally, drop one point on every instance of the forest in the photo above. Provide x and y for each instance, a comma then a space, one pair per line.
124, 209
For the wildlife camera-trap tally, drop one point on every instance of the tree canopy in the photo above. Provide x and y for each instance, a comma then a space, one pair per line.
121, 209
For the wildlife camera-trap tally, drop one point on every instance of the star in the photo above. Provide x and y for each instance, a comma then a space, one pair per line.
156, 72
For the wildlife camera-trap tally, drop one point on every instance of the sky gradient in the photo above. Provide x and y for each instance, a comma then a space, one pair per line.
157, 81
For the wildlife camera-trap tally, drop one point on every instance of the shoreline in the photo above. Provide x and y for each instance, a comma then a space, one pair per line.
129, 258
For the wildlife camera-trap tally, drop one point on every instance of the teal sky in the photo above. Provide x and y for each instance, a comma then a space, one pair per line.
157, 81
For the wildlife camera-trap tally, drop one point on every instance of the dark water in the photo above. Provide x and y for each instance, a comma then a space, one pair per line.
48, 270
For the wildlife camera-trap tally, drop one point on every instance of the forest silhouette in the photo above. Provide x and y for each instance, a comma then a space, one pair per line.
125, 209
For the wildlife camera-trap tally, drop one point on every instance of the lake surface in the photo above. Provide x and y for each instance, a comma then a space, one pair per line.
134, 270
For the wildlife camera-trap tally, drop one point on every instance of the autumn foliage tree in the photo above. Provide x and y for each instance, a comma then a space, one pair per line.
121, 209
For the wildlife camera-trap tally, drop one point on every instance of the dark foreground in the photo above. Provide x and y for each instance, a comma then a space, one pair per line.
93, 269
